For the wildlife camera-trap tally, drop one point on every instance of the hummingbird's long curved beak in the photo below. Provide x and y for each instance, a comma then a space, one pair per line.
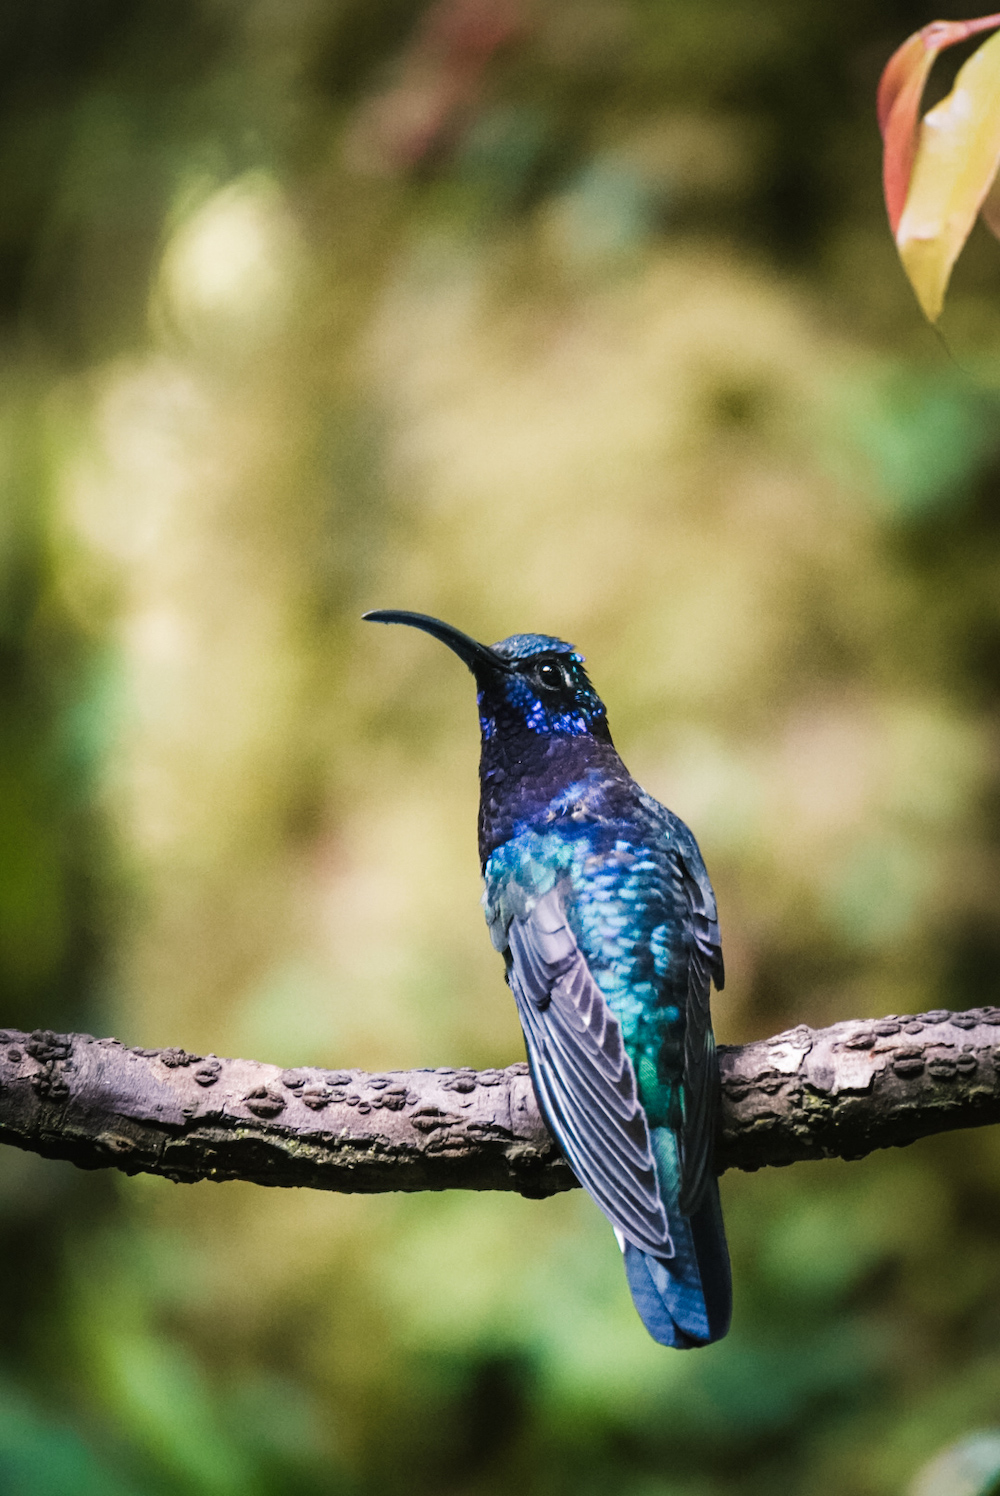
470, 650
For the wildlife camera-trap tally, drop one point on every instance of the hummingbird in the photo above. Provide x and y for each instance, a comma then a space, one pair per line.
598, 900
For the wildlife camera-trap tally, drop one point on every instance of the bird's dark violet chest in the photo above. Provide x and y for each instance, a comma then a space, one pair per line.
525, 776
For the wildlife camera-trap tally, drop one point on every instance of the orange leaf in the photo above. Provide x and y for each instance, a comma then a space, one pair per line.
899, 93
955, 164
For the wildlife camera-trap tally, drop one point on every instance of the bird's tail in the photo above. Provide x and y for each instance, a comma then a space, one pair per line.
684, 1300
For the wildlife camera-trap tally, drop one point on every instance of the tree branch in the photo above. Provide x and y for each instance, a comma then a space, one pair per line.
839, 1092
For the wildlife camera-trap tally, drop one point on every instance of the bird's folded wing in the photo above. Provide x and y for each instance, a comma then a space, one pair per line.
583, 1076
701, 1068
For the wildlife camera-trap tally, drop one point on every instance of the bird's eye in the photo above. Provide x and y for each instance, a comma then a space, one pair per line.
551, 676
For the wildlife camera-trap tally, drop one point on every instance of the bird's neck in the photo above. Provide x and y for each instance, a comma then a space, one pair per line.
520, 775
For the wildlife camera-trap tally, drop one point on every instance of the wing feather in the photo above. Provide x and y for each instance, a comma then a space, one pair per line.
583, 1076
701, 1070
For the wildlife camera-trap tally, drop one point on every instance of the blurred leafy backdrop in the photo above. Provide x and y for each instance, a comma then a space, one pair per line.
573, 315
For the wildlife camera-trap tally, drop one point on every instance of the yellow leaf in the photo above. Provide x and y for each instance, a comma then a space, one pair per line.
956, 162
899, 93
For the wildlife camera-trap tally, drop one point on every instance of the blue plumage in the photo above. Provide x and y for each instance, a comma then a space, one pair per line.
598, 899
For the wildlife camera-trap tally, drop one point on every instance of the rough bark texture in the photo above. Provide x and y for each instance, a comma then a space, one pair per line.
837, 1092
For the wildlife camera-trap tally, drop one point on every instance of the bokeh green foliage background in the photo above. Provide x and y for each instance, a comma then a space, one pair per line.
578, 316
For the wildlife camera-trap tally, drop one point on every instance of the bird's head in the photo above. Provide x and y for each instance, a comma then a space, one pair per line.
527, 683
